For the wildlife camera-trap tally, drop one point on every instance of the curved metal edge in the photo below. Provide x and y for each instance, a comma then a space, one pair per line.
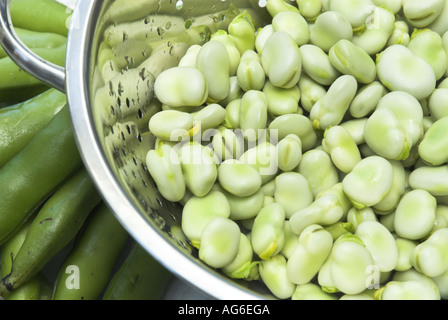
45, 71
96, 163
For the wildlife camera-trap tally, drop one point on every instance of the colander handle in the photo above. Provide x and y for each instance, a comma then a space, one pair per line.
47, 72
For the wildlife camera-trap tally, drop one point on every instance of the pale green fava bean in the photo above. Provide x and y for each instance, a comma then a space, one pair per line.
342, 148
445, 47
241, 266
327, 208
214, 62
235, 91
181, 87
228, 41
310, 92
350, 263
427, 44
400, 35
314, 247
268, 233
171, 125
380, 243
437, 104
318, 169
294, 24
429, 178
415, 214
357, 216
281, 101
274, 275
329, 28
199, 168
227, 145
263, 34
331, 109
232, 119
297, 124
310, 9
356, 297
253, 114
433, 149
250, 73
431, 256
406, 248
379, 28
395, 126
317, 65
421, 14
440, 25
281, 60
274, 7
442, 284
293, 192
399, 69
441, 217
242, 30
399, 184
190, 57
339, 229
220, 240
211, 116
367, 99
351, 59
356, 11
289, 151
198, 212
238, 178
269, 188
369, 181
291, 241
242, 208
393, 5
356, 129
311, 292
164, 167
408, 290
263, 157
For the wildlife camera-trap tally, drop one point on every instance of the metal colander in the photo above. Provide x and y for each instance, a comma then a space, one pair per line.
110, 114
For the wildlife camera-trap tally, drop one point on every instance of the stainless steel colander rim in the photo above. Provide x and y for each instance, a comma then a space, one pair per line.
84, 22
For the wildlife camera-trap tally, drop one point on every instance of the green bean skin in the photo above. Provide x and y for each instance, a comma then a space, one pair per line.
46, 162
55, 225
95, 253
140, 277
21, 122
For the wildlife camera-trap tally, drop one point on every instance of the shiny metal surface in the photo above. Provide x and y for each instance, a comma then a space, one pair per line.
113, 136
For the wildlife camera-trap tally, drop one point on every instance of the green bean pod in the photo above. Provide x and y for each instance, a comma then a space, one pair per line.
44, 16
21, 122
140, 277
85, 273
47, 160
55, 225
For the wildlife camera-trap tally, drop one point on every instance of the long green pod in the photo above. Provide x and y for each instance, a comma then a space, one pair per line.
41, 15
86, 271
140, 277
56, 224
35, 39
36, 171
21, 122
